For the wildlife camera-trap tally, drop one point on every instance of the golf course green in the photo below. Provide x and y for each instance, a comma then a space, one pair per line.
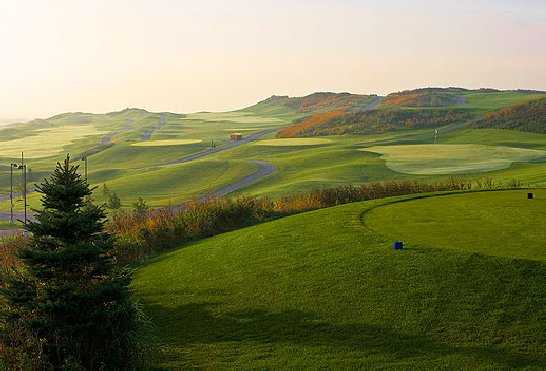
325, 289
136, 152
431, 159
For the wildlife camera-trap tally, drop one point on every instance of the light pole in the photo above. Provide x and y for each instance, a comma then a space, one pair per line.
24, 181
11, 167
23, 168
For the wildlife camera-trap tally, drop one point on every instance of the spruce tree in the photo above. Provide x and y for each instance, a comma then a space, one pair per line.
71, 298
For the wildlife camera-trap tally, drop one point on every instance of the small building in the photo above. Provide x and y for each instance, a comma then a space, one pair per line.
236, 136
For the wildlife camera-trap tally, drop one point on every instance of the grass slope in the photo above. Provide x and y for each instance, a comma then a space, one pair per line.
323, 290
496, 223
414, 109
138, 144
477, 100
428, 159
121, 155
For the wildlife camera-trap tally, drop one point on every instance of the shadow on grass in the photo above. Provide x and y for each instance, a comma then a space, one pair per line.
198, 324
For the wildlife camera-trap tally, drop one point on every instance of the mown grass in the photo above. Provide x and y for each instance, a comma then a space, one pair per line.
291, 142
322, 290
495, 137
494, 101
166, 142
178, 183
428, 159
503, 224
299, 168
131, 157
303, 168
46, 142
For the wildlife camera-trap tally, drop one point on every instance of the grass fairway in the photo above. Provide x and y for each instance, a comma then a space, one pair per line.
429, 159
166, 142
323, 290
46, 142
240, 117
178, 183
133, 143
495, 223
293, 142
498, 100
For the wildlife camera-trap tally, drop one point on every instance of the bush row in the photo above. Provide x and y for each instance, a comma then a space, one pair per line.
139, 234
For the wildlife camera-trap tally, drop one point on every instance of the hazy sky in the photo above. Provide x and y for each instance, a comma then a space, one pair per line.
186, 56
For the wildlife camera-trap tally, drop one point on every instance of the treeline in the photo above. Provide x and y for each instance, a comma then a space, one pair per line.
308, 123
530, 117
380, 121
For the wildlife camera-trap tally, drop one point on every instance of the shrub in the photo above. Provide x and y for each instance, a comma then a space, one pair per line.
8, 248
530, 116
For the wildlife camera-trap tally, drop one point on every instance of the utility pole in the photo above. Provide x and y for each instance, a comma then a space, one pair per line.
24, 172
11, 166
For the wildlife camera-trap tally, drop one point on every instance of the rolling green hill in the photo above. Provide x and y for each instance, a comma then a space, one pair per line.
479, 99
421, 108
325, 289
133, 149
128, 148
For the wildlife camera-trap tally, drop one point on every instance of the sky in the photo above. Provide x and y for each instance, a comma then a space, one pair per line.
187, 56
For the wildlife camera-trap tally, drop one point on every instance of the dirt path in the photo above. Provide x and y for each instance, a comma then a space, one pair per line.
374, 103
224, 147
17, 215
107, 139
148, 133
264, 169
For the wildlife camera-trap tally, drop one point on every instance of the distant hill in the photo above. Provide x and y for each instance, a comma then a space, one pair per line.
411, 109
447, 97
530, 117
321, 102
11, 121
